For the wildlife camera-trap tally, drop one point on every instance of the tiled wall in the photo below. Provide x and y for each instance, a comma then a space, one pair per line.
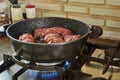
104, 13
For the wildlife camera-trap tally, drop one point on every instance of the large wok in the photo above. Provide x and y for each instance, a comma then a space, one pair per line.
43, 52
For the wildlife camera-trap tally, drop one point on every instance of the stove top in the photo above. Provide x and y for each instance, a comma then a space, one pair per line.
91, 70
36, 75
27, 75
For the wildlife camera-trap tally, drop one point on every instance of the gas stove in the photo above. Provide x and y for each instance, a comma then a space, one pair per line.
14, 68
62, 72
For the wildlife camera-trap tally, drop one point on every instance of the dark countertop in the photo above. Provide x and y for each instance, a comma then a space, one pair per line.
4, 47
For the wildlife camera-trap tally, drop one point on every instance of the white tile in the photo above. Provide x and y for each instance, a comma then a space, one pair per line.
53, 15
75, 9
113, 2
106, 12
89, 1
88, 20
111, 23
111, 34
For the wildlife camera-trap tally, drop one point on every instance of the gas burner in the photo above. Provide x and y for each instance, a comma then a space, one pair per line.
99, 78
41, 72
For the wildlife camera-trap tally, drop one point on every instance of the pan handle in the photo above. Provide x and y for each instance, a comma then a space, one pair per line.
95, 32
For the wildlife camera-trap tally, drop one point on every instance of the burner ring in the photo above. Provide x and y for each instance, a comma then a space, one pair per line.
49, 64
43, 64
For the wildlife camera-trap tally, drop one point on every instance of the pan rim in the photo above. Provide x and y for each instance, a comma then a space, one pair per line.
55, 44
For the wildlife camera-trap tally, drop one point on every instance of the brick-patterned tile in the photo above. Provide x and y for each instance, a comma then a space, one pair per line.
106, 12
113, 2
89, 1
88, 20
111, 34
75, 9
48, 6
39, 14
111, 23
61, 0
53, 15
46, 0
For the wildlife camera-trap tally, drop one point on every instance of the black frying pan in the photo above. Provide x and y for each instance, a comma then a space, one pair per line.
43, 52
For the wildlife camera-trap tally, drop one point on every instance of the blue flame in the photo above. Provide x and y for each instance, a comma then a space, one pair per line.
54, 75
49, 76
32, 74
66, 65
